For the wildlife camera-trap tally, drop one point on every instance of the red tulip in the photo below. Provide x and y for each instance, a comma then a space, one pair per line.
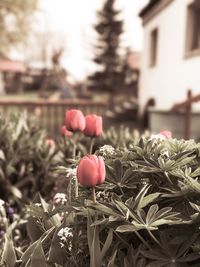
75, 121
91, 170
167, 134
93, 126
50, 143
65, 132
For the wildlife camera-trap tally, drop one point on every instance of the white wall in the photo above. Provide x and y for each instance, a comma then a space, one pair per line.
173, 74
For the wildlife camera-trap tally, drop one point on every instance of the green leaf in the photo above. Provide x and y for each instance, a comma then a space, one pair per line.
95, 251
118, 170
196, 173
2, 155
128, 228
107, 243
37, 257
90, 231
111, 262
100, 207
27, 254
8, 255
57, 254
195, 206
148, 199
140, 196
34, 229
48, 235
16, 192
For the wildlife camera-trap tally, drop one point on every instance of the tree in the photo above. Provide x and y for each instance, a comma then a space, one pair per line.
15, 19
109, 77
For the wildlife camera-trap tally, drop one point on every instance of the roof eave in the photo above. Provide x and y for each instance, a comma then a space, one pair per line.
148, 7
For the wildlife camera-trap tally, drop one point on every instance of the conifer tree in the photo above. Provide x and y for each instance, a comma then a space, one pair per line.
109, 77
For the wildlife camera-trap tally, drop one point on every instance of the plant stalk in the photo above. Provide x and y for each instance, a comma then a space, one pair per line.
142, 239
91, 145
93, 194
76, 187
154, 238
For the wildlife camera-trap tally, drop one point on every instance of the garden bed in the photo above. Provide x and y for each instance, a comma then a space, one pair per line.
144, 212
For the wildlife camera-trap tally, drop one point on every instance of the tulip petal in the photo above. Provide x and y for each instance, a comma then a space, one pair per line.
91, 170
87, 172
102, 170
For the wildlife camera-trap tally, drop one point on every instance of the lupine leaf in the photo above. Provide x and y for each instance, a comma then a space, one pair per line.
8, 255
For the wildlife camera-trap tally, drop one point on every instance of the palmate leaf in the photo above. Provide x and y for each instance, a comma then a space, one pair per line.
150, 221
115, 173
134, 203
141, 201
187, 180
134, 258
148, 199
173, 251
147, 148
162, 164
106, 208
148, 165
175, 146
195, 173
120, 177
166, 164
129, 179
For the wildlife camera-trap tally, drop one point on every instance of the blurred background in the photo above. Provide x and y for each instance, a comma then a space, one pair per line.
133, 62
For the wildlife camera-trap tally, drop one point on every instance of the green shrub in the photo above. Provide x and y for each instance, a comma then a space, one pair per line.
26, 161
146, 214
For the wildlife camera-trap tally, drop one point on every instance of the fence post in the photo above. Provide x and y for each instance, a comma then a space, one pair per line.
187, 130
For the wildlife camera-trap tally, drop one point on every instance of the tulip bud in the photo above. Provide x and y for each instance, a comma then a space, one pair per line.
167, 134
91, 170
65, 132
93, 126
74, 120
50, 143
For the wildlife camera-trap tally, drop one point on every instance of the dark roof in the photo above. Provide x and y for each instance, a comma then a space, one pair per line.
148, 7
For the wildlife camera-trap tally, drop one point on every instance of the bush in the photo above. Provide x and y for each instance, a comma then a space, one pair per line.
146, 214
26, 160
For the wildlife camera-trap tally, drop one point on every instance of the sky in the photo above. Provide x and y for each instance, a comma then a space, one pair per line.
71, 25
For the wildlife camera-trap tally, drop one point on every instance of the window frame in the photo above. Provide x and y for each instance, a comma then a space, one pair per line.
190, 32
153, 49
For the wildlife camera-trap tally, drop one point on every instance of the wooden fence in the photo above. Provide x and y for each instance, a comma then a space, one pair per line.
186, 106
50, 114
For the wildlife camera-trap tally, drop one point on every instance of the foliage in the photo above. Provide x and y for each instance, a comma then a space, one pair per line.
15, 18
146, 214
26, 161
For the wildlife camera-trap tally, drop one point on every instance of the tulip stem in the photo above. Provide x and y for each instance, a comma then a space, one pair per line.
75, 141
70, 191
93, 194
76, 187
91, 145
74, 150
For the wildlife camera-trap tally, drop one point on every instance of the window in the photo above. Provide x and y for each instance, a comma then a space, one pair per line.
193, 28
153, 47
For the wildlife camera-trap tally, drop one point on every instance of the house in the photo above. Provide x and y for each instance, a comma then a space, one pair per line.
171, 56
11, 75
